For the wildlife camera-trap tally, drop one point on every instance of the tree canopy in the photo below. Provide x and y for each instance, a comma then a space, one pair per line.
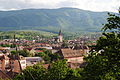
57, 71
103, 62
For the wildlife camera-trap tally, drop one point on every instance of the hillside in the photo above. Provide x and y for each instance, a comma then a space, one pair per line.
51, 20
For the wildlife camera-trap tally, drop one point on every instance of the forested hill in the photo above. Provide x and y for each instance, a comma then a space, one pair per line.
69, 19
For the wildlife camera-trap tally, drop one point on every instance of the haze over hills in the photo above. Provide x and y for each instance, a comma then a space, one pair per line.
51, 20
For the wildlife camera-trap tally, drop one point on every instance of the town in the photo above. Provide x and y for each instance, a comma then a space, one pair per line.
59, 39
16, 55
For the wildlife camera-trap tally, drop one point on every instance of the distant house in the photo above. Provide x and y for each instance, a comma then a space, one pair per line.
48, 47
83, 48
9, 67
30, 50
41, 45
4, 62
33, 60
5, 50
15, 66
75, 56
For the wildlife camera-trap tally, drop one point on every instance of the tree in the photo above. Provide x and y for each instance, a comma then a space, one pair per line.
24, 53
64, 45
57, 71
74, 74
36, 72
48, 56
104, 60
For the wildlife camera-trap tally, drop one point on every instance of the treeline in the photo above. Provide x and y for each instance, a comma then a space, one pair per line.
27, 34
30, 35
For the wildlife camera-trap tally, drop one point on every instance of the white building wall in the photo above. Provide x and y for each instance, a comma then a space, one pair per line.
23, 64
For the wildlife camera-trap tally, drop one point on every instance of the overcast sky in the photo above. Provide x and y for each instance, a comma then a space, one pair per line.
93, 5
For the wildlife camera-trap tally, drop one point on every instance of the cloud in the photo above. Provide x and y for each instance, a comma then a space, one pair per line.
94, 5
67, 3
99, 5
10, 4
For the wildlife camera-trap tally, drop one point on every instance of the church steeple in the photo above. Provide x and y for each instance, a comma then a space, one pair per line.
60, 37
60, 33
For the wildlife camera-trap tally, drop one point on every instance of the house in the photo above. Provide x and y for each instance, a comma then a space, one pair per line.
30, 61
5, 49
83, 48
4, 62
17, 63
75, 56
12, 63
30, 50
11, 66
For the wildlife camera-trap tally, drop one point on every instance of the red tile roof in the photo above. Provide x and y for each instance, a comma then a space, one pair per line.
71, 53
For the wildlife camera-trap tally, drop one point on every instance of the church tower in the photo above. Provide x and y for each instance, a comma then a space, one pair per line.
60, 37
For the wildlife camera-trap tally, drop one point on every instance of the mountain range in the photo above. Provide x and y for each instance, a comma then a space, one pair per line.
52, 20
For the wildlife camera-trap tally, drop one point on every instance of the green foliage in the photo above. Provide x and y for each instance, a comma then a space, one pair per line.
44, 55
40, 54
36, 72
24, 53
12, 46
47, 59
103, 61
8, 45
13, 52
57, 71
74, 74
64, 45
48, 56
26, 34
5, 45
113, 22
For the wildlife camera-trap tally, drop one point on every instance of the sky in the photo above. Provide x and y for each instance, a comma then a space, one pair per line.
92, 5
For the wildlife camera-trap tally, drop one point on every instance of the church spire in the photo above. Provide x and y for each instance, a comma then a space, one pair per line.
60, 33
60, 37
